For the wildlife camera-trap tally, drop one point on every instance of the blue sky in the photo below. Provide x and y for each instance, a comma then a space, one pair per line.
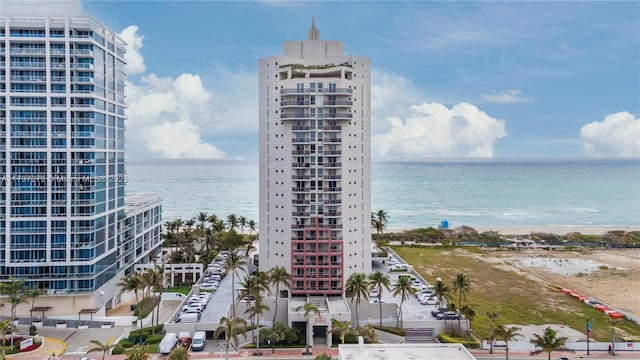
450, 79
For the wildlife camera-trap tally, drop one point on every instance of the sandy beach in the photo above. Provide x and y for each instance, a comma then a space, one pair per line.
557, 229
549, 229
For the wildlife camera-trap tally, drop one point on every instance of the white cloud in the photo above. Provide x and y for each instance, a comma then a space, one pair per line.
163, 139
135, 61
166, 116
433, 130
507, 97
618, 135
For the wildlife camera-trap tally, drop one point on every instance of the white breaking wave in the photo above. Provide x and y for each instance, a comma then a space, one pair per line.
580, 210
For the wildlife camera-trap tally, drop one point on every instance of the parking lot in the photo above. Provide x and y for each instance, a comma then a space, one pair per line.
412, 308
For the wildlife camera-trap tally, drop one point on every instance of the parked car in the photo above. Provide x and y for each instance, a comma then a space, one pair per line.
399, 267
437, 311
449, 315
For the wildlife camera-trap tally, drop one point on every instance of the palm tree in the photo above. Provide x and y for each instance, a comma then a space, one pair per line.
440, 292
153, 279
104, 348
232, 221
242, 221
492, 321
342, 328
506, 334
548, 342
132, 283
202, 219
379, 220
234, 263
279, 276
256, 310
368, 332
230, 327
308, 310
379, 281
17, 293
33, 294
357, 287
138, 352
403, 288
5, 327
252, 226
469, 314
461, 286
179, 353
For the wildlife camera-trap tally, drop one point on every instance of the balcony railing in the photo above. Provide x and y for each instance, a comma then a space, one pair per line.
295, 103
338, 103
338, 115
295, 115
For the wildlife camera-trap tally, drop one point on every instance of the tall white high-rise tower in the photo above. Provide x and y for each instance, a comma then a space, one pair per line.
315, 183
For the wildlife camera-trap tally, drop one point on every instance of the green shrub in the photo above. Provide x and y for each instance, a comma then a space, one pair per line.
33, 330
117, 350
126, 344
154, 339
467, 342
323, 357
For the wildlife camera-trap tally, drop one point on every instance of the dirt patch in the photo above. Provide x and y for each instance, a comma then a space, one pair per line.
615, 283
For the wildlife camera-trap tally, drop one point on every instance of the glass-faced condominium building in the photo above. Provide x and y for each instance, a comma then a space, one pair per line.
315, 188
64, 224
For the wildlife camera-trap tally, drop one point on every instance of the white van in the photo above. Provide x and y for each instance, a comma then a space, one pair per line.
189, 318
198, 341
168, 342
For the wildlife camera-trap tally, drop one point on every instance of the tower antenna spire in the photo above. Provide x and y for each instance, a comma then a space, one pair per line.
314, 33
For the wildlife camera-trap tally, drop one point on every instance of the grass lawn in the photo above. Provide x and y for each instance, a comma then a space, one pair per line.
516, 298
180, 289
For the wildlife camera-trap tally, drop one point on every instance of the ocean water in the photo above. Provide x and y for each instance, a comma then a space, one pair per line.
422, 193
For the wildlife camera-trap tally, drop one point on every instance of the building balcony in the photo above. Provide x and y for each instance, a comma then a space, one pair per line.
338, 103
332, 165
302, 140
303, 115
59, 65
300, 189
59, 79
294, 103
28, 133
300, 202
332, 128
300, 165
338, 91
27, 65
57, 51
293, 91
333, 140
31, 51
300, 214
340, 115
300, 128
82, 66
82, 52
300, 177
82, 79
300, 153
332, 189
